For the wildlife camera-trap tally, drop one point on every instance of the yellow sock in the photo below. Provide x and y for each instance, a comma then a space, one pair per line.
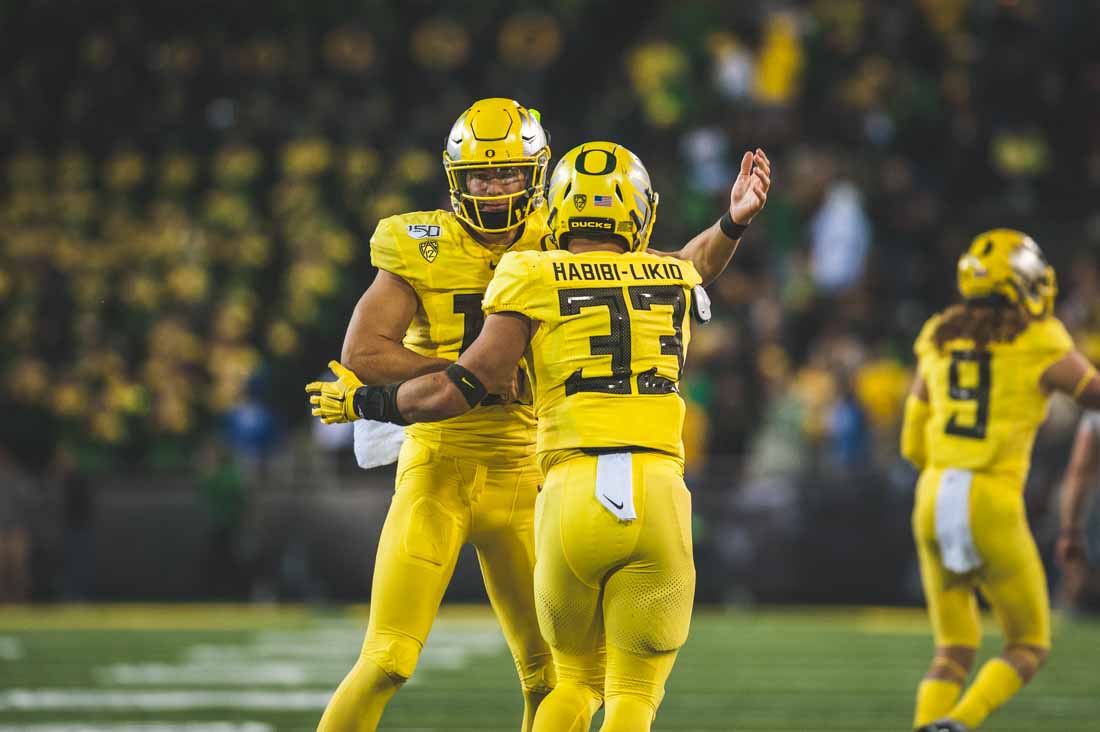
935, 697
996, 683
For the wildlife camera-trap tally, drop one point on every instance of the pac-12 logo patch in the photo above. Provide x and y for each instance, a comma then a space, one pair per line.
422, 231
580, 200
429, 249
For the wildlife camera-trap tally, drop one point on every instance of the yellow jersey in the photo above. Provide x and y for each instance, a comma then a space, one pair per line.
605, 361
450, 270
985, 406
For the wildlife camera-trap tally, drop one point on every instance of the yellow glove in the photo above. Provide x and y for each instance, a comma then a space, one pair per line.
334, 401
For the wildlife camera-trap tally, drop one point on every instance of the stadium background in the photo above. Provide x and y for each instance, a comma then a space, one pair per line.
188, 188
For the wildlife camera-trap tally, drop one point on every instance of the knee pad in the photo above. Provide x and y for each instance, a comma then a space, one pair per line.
395, 655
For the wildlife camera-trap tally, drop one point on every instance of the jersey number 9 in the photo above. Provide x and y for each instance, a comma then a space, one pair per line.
977, 393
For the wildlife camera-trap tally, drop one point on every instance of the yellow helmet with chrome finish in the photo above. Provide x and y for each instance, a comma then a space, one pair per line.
496, 134
601, 189
1008, 264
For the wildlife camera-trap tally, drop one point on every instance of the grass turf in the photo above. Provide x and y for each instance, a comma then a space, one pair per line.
262, 670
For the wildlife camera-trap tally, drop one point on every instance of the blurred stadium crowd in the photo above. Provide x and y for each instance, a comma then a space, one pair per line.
187, 198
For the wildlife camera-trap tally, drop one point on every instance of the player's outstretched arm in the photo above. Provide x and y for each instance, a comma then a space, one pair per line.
1074, 500
912, 426
488, 366
1075, 376
372, 344
711, 249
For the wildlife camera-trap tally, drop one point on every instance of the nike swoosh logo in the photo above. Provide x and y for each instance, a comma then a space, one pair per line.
467, 383
528, 139
456, 140
613, 503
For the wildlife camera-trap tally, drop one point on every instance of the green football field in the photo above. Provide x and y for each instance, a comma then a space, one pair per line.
224, 669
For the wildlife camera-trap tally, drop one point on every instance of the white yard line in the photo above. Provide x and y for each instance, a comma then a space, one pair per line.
308, 663
240, 672
314, 657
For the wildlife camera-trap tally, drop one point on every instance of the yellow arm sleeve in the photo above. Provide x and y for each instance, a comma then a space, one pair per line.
912, 431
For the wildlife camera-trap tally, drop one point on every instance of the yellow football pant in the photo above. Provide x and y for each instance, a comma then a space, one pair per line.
1010, 577
442, 502
614, 599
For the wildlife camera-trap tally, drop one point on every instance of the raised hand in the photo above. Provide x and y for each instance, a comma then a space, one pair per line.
750, 190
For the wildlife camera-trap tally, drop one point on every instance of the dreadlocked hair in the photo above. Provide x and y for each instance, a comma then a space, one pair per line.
984, 321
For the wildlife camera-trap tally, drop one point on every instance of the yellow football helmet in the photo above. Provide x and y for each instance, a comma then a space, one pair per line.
600, 188
496, 133
1008, 263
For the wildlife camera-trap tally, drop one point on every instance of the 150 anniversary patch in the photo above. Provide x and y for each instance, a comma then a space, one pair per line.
423, 231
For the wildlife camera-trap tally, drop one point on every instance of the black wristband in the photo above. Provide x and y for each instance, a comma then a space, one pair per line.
730, 228
378, 403
473, 391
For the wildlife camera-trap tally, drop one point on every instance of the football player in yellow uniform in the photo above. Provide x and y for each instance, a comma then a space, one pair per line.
986, 369
473, 478
602, 327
